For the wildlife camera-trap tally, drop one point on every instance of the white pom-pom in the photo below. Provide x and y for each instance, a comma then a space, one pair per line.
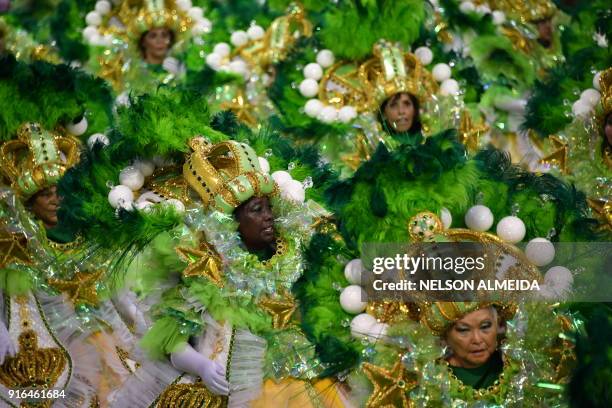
479, 218
511, 229
378, 331
200, 28
106, 40
596, 83
328, 114
239, 67
483, 9
352, 299
214, 60
361, 324
424, 54
132, 177
325, 58
581, 109
540, 251
222, 49
441, 72
467, 7
97, 138
195, 13
309, 88
93, 18
89, 32
121, 196
103, 7
559, 279
78, 128
449, 87
294, 191
146, 167
184, 4
177, 204
313, 71
313, 107
239, 38
346, 114
590, 96
256, 32
446, 217
499, 17
281, 177
264, 165
352, 271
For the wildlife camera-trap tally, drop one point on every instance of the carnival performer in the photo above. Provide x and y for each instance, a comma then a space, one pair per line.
60, 283
218, 264
137, 45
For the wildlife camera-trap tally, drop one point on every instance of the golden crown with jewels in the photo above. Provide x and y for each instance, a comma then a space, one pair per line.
37, 159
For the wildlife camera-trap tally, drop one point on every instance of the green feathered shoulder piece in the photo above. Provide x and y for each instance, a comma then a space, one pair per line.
152, 126
495, 57
63, 95
385, 192
353, 27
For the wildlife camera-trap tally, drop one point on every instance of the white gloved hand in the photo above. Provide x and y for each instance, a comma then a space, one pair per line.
7, 348
211, 372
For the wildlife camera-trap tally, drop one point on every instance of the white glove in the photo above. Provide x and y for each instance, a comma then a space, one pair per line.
7, 348
211, 372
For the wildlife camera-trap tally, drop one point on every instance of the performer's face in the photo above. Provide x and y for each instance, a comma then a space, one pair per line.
155, 44
608, 129
399, 112
44, 205
256, 223
473, 339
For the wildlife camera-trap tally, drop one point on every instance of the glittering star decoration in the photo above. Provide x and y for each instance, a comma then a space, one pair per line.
391, 387
469, 132
558, 158
81, 289
13, 249
603, 211
242, 108
281, 308
203, 261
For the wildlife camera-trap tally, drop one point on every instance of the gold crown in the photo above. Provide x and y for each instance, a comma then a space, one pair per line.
368, 85
528, 11
139, 16
278, 39
226, 174
32, 367
37, 159
605, 82
439, 316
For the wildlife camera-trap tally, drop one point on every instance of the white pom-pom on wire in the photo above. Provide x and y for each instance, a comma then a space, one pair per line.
325, 58
346, 114
103, 7
441, 72
352, 299
132, 177
353, 270
309, 88
121, 197
93, 18
424, 54
313, 107
222, 49
239, 38
361, 324
313, 71
79, 127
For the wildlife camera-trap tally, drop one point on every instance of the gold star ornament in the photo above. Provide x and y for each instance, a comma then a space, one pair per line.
13, 249
470, 132
391, 387
280, 307
603, 211
81, 288
203, 261
558, 158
